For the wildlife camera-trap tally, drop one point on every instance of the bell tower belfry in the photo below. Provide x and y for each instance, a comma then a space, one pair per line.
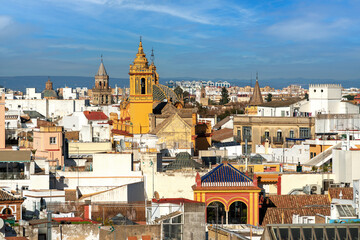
101, 91
142, 78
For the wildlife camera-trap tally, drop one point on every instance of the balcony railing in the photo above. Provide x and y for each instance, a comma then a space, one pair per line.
12, 175
263, 139
305, 137
278, 140
247, 137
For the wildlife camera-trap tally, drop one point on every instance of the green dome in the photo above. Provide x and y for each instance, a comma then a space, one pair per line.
49, 94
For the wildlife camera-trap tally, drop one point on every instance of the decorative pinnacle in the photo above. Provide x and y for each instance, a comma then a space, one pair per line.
101, 58
152, 55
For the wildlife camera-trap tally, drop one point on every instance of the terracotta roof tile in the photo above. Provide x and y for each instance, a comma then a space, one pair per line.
174, 200
298, 201
284, 215
222, 134
346, 192
8, 196
282, 103
95, 115
222, 122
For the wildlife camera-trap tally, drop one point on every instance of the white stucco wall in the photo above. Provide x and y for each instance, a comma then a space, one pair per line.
295, 154
346, 165
49, 108
275, 111
109, 169
299, 180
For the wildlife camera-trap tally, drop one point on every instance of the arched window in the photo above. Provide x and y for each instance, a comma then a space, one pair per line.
215, 213
238, 213
291, 134
6, 211
143, 88
267, 134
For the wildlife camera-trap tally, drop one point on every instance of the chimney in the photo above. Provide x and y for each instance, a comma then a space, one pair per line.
2, 121
255, 180
198, 180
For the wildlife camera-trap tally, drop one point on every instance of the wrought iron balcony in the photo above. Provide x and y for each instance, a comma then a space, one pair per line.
237, 138
278, 140
263, 139
12, 176
246, 137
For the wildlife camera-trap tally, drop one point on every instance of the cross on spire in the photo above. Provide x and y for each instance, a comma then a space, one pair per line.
101, 58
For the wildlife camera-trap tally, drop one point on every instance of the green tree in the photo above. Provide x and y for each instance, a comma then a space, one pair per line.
179, 92
349, 97
186, 94
224, 96
269, 97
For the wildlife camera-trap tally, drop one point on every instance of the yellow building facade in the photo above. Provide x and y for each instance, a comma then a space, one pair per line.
273, 131
142, 78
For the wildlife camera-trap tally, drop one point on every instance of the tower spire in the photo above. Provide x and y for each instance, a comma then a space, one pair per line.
256, 98
152, 57
140, 50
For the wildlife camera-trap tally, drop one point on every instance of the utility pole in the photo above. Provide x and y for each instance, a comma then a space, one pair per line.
48, 225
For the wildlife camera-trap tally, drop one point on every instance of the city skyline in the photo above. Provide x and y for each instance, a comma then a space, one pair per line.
229, 40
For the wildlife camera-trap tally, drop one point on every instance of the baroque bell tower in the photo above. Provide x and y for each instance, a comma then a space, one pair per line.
102, 90
142, 78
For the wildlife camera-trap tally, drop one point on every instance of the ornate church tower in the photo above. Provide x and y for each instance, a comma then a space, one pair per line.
255, 100
101, 91
142, 78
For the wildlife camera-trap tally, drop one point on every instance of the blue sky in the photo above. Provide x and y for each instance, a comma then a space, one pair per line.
202, 39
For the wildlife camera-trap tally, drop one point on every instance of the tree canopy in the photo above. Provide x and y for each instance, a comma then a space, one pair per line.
269, 97
224, 96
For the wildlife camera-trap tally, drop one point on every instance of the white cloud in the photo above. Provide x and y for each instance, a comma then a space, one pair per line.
203, 12
305, 29
89, 48
5, 21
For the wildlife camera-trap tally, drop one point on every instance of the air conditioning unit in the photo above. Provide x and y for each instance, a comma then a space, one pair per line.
315, 189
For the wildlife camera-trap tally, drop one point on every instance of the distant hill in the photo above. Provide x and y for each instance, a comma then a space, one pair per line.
38, 82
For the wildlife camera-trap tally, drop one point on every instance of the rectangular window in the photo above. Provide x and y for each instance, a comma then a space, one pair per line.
246, 150
291, 135
52, 140
304, 132
282, 113
247, 134
143, 86
239, 132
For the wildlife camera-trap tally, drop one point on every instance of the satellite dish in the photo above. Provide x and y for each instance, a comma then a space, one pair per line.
1, 223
